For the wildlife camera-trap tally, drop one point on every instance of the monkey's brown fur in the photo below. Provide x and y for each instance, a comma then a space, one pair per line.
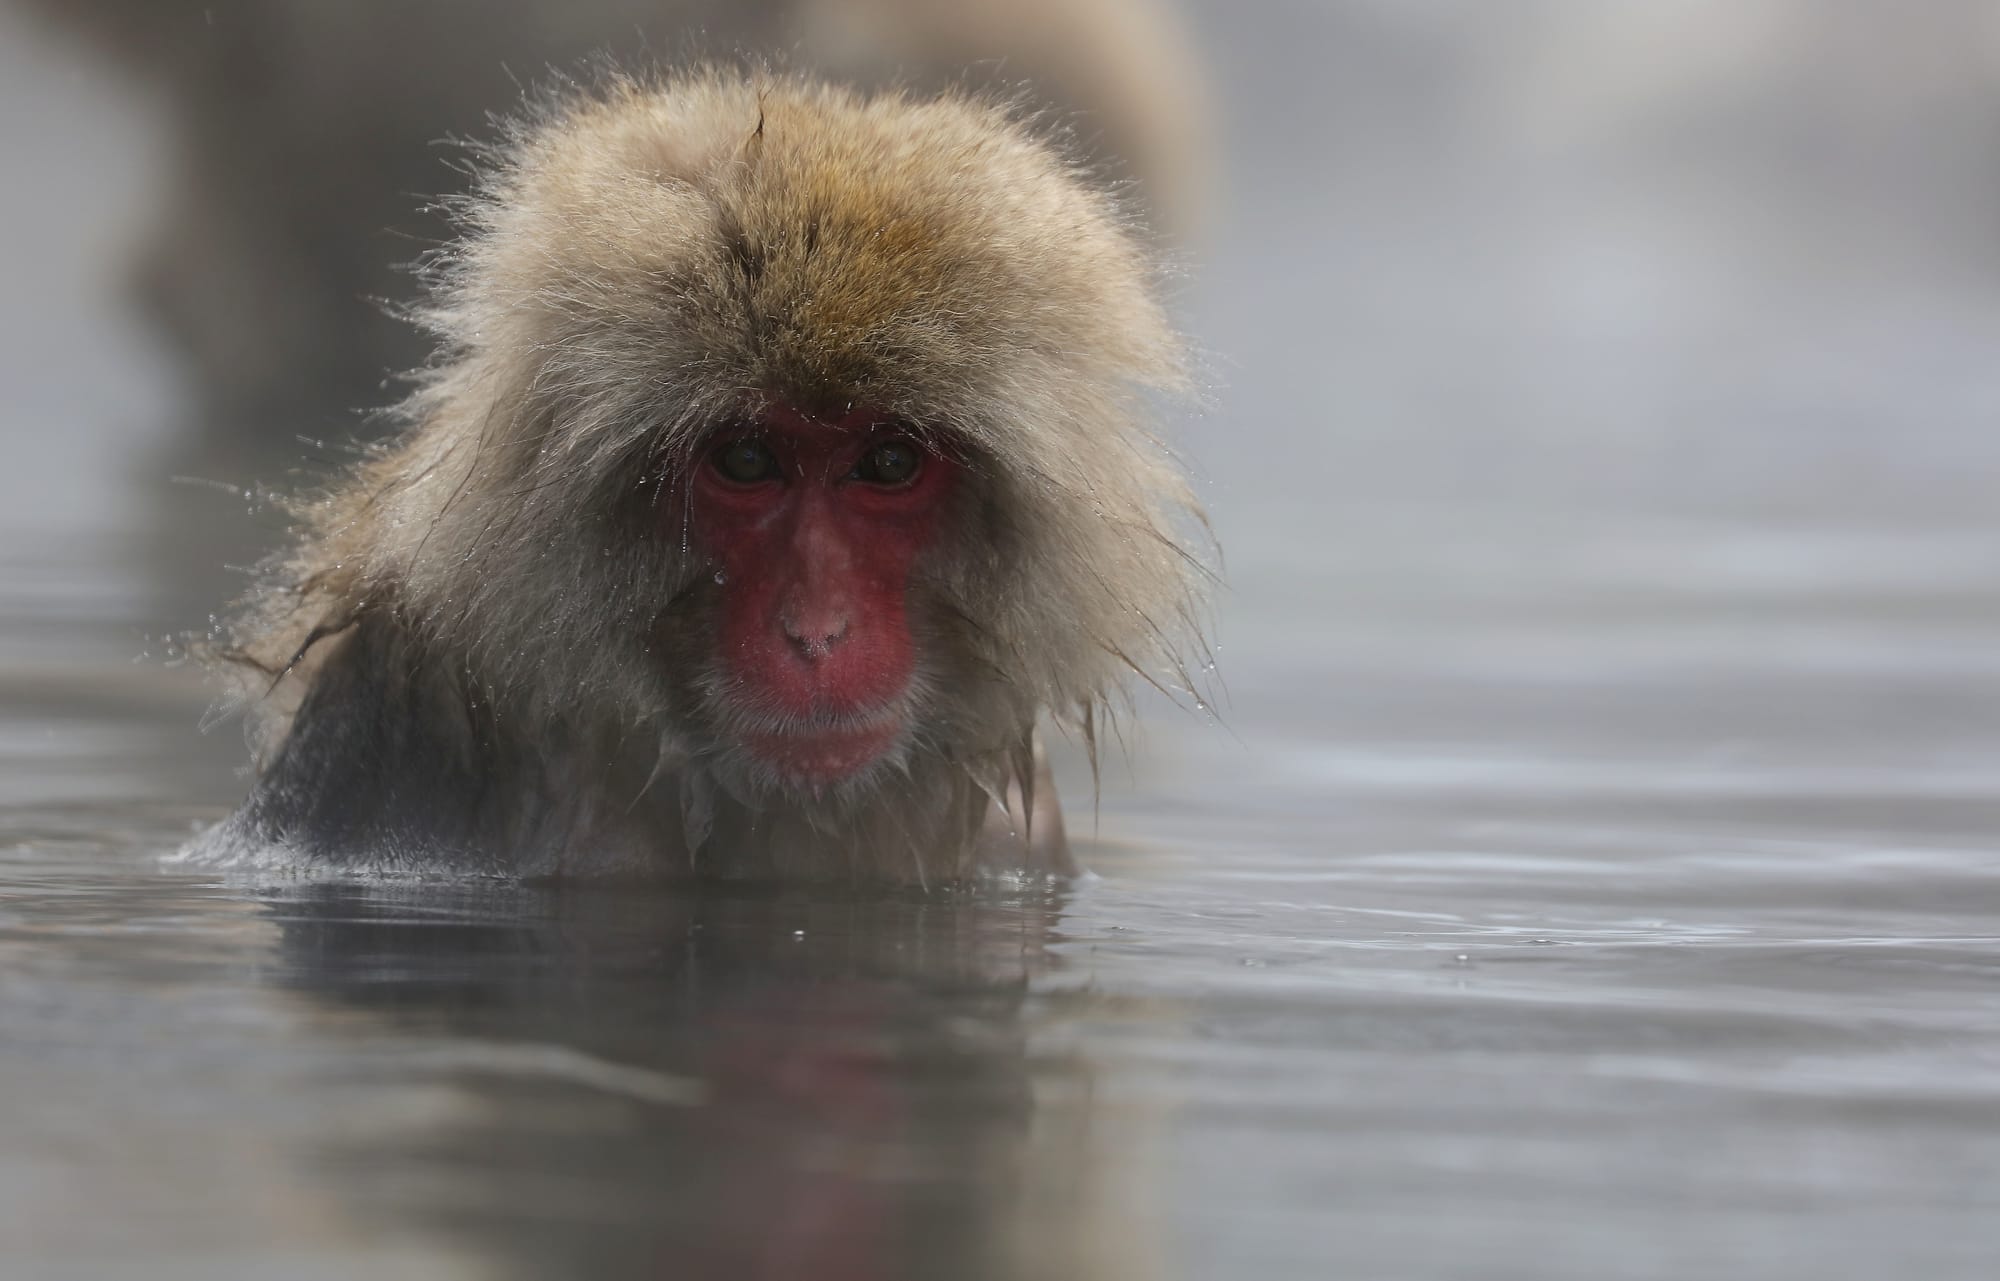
492, 635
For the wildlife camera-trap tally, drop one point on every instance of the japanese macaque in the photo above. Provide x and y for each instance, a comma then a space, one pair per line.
784, 462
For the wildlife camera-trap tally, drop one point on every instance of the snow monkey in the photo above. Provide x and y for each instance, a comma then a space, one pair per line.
785, 460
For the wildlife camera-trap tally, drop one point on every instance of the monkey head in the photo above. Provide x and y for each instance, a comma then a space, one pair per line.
799, 436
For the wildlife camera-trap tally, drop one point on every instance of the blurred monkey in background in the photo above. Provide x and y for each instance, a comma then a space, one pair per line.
308, 136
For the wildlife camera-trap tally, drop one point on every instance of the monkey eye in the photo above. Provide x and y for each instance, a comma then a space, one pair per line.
745, 461
891, 462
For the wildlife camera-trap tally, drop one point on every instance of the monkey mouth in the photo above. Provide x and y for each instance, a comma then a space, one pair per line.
818, 756
816, 749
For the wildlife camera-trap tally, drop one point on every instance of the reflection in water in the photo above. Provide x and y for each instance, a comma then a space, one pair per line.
727, 1087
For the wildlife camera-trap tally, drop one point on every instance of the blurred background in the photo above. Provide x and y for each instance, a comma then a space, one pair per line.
1594, 854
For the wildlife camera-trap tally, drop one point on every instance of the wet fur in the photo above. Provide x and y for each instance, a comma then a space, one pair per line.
488, 650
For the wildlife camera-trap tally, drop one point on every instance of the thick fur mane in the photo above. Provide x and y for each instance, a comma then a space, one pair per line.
642, 260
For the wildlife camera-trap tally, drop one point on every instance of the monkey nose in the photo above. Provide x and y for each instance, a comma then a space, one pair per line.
814, 636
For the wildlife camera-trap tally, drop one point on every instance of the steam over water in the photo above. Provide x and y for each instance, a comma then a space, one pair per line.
1591, 868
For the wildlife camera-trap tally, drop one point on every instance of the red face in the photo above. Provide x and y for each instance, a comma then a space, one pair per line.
816, 525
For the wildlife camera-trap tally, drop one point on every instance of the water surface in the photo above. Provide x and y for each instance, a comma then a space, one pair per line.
1548, 932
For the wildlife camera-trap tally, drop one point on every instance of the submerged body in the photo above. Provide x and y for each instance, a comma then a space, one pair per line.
784, 464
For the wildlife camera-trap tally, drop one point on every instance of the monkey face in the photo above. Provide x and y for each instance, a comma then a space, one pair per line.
815, 525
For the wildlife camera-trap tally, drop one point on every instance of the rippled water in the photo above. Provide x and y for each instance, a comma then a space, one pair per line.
1618, 918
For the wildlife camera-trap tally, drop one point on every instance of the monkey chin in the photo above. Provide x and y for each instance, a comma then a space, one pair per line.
817, 756
816, 760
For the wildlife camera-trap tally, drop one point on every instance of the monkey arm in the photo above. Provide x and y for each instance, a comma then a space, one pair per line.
385, 767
